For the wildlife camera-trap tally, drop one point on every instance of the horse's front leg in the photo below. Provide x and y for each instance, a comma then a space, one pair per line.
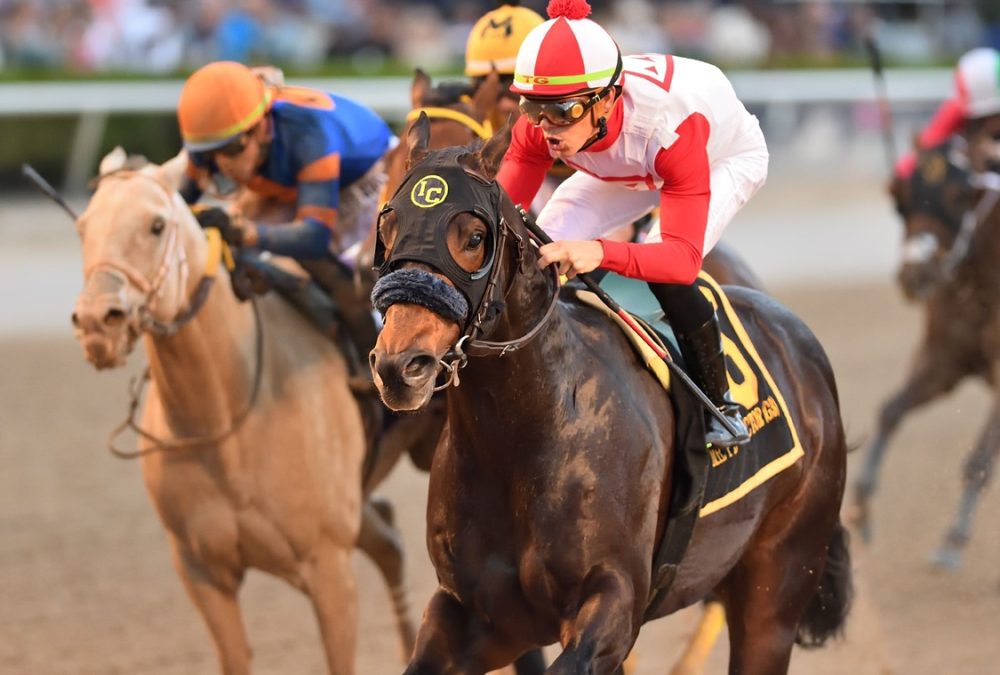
598, 638
931, 376
978, 471
216, 599
453, 640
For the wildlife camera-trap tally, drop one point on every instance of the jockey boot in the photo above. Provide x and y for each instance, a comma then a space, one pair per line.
353, 310
702, 349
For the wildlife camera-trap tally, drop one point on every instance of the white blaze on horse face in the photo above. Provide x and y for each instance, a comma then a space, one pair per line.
919, 248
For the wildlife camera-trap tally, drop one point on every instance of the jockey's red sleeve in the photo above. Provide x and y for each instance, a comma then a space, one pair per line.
684, 200
525, 164
947, 120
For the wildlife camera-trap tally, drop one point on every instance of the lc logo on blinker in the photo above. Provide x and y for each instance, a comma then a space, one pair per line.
429, 191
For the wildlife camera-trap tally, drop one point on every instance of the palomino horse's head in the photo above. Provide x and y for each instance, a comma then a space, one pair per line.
936, 203
137, 235
444, 241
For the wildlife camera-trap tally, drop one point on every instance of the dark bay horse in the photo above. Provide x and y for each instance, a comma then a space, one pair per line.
548, 490
951, 262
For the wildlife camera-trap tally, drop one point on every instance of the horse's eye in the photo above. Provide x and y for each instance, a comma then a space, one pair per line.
475, 241
158, 225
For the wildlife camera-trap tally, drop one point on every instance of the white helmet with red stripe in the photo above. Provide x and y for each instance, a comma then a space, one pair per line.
566, 55
977, 80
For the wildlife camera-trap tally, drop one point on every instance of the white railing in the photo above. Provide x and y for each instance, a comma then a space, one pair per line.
94, 101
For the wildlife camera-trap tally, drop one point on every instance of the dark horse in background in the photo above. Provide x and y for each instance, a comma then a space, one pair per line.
474, 107
951, 263
547, 493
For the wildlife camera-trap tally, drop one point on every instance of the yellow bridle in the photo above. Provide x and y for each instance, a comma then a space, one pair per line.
484, 130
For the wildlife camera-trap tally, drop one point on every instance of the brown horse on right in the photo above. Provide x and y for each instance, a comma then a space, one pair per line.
547, 493
950, 262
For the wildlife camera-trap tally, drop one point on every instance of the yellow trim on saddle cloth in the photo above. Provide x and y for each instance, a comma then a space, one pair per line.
777, 465
649, 357
483, 130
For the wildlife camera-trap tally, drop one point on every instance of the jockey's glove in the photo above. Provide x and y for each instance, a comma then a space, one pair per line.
219, 218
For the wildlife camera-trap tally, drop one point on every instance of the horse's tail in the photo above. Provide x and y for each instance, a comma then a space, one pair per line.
827, 612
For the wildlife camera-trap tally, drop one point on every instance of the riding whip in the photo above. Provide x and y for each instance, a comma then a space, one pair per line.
882, 99
675, 369
46, 188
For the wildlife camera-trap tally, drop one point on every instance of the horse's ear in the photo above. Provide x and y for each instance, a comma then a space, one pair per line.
173, 170
492, 152
418, 90
485, 98
113, 161
417, 139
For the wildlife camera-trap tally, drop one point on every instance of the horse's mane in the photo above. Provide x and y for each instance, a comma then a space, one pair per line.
447, 93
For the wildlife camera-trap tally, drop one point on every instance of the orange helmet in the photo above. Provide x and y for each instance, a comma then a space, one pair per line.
218, 102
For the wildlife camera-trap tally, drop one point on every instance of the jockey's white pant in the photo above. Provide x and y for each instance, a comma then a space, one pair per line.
585, 207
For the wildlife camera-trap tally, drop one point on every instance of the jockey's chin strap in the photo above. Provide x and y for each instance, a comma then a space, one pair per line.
989, 182
483, 130
174, 256
469, 344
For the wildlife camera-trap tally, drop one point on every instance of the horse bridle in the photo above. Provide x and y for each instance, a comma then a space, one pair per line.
483, 130
174, 251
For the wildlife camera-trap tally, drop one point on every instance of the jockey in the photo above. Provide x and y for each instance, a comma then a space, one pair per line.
317, 153
976, 98
642, 131
492, 47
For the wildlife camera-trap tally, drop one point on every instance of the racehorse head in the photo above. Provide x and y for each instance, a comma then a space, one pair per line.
935, 203
447, 255
137, 237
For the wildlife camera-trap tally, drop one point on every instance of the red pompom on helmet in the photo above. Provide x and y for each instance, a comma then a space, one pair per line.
569, 9
567, 54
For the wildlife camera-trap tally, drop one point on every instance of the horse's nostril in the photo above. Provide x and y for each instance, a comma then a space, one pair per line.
75, 319
418, 365
114, 317
371, 359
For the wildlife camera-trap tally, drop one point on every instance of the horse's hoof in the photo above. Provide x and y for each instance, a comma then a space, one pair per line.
384, 508
859, 518
947, 559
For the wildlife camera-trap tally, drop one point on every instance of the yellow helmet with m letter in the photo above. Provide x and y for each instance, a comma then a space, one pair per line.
494, 40
219, 102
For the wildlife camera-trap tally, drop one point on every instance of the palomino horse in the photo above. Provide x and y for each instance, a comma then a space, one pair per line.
460, 115
253, 442
558, 443
950, 263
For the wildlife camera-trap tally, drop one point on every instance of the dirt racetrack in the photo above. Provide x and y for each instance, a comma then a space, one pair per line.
86, 585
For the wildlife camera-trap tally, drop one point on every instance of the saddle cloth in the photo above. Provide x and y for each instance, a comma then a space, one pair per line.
774, 441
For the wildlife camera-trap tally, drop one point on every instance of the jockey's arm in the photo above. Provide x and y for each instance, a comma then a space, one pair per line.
947, 121
525, 164
309, 236
684, 201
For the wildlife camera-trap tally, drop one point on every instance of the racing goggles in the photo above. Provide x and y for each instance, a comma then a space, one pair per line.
231, 148
559, 113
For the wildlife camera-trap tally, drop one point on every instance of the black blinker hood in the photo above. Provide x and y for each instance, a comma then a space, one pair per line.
431, 195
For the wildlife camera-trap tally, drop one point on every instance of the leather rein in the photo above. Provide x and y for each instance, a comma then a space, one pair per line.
468, 344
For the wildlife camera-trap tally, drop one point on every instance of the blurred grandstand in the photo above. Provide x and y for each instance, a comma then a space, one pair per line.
163, 36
